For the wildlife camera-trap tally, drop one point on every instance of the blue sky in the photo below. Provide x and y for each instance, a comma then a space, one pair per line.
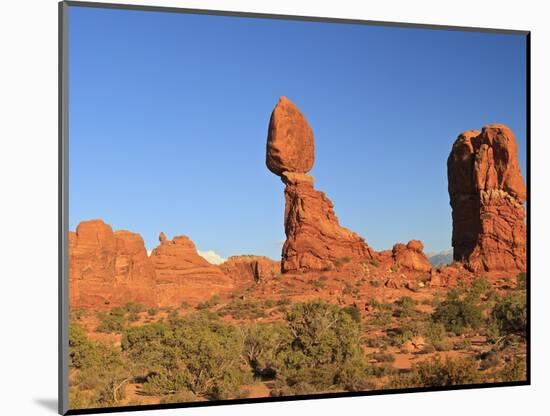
169, 114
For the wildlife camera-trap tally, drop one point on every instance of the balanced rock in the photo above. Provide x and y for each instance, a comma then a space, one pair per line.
183, 275
107, 268
315, 239
289, 140
411, 256
487, 196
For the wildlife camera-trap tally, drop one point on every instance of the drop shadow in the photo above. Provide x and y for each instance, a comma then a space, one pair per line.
49, 404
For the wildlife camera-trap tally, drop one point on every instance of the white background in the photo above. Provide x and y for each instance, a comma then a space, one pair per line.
28, 204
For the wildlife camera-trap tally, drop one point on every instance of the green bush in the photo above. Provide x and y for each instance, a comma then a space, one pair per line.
479, 287
264, 345
196, 353
213, 301
405, 307
510, 314
521, 281
353, 311
450, 372
443, 345
114, 322
243, 309
458, 314
383, 357
436, 372
514, 370
324, 346
102, 371
181, 397
152, 311
318, 284
133, 307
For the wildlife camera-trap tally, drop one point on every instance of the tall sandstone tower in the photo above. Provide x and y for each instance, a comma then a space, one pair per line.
487, 196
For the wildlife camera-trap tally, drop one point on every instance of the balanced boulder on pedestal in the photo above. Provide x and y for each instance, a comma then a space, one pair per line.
315, 239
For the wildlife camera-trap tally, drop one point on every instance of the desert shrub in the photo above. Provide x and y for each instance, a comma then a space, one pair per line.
436, 372
318, 284
213, 301
269, 303
196, 353
510, 314
133, 307
514, 370
375, 283
353, 376
434, 331
383, 357
283, 302
443, 345
102, 371
79, 399
353, 311
400, 335
381, 318
378, 342
79, 346
243, 309
78, 314
489, 359
521, 281
458, 314
349, 289
405, 380
450, 372
325, 340
152, 311
113, 322
133, 317
263, 345
180, 397
427, 349
479, 287
405, 307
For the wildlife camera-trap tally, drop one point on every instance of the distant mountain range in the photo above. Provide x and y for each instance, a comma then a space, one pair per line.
443, 257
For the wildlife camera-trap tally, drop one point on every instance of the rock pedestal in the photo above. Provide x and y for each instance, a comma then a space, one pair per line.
315, 239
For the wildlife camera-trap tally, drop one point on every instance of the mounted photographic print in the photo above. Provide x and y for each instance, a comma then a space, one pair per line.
263, 207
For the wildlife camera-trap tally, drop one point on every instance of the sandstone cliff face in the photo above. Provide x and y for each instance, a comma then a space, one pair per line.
248, 270
315, 239
183, 275
487, 196
107, 268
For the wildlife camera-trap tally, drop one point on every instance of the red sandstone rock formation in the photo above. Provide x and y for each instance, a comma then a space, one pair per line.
411, 256
107, 268
315, 239
247, 270
487, 196
183, 275
289, 140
